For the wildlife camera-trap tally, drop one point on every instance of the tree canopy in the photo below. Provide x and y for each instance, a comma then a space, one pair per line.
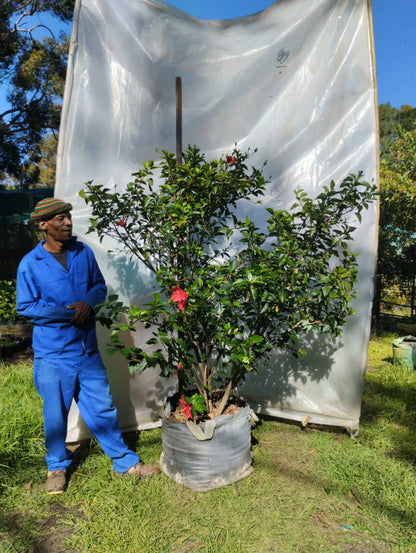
397, 225
390, 120
32, 72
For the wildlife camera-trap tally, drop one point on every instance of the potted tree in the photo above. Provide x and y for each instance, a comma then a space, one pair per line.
15, 331
228, 293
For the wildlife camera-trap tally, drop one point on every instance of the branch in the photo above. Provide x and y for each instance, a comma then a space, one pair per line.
17, 29
8, 111
29, 31
224, 400
136, 250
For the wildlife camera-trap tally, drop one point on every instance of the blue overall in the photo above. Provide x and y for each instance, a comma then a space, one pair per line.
67, 363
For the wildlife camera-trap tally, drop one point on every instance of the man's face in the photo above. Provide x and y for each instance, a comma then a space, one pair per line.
59, 228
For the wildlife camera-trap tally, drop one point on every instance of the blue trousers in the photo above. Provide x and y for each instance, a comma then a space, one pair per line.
83, 378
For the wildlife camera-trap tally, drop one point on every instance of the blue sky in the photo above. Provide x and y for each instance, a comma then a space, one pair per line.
394, 38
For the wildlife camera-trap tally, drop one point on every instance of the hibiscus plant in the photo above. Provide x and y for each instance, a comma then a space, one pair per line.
227, 292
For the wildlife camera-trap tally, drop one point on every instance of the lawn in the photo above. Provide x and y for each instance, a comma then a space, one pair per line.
312, 489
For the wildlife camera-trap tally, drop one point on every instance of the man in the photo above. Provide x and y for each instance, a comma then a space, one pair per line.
59, 285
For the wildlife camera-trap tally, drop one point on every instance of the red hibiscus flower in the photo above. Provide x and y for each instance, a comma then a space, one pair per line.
122, 224
187, 408
179, 296
231, 160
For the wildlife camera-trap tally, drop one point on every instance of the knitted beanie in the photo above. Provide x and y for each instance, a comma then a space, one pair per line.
48, 208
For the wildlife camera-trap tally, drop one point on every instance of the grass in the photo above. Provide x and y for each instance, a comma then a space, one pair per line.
312, 489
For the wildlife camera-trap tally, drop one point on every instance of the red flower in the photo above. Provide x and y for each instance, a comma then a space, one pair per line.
178, 368
179, 296
122, 224
231, 160
187, 408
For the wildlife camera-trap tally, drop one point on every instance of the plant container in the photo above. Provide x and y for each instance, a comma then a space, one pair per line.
209, 455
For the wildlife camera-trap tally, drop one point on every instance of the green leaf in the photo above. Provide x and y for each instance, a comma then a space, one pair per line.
247, 289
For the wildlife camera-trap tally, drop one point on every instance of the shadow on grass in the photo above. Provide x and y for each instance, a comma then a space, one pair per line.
85, 448
335, 488
391, 403
21, 531
290, 462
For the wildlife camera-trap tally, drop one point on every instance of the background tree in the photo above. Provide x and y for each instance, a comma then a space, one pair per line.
32, 72
397, 226
390, 119
41, 165
387, 119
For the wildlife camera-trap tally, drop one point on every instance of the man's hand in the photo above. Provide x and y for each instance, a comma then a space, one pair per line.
83, 313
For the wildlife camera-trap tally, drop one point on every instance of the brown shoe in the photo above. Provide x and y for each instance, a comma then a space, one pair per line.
140, 470
56, 482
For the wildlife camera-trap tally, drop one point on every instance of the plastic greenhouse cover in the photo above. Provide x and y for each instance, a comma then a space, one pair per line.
297, 82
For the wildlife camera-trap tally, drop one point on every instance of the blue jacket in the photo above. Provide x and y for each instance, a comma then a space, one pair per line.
44, 289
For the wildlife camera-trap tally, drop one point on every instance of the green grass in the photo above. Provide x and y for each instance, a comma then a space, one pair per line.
312, 490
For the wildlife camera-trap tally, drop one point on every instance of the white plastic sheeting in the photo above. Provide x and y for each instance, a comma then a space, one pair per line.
296, 81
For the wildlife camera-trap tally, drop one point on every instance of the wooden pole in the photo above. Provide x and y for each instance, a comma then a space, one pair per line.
178, 121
